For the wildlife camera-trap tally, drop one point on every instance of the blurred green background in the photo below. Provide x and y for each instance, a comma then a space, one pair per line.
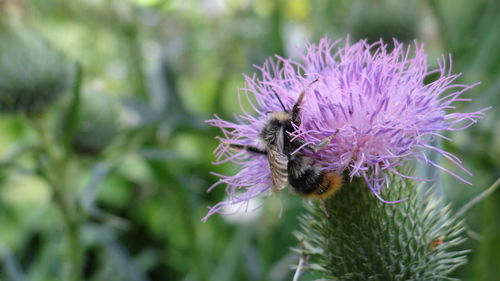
128, 137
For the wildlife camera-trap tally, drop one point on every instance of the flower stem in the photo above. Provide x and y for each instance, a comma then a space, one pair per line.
55, 171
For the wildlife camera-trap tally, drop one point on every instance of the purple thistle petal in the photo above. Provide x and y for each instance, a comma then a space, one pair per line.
374, 99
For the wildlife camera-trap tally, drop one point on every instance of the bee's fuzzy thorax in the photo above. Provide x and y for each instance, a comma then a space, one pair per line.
280, 115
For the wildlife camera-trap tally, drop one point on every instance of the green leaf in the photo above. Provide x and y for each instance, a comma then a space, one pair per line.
11, 265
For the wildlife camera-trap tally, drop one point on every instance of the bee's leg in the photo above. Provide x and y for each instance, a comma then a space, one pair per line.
296, 106
248, 148
322, 144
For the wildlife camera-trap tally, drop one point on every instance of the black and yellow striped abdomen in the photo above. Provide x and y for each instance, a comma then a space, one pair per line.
308, 180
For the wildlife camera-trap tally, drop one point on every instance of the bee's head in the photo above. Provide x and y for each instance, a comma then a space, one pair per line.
274, 126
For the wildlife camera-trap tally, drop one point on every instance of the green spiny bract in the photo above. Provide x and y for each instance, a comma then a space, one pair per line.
33, 74
363, 238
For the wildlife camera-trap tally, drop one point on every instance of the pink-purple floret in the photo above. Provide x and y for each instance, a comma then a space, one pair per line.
374, 100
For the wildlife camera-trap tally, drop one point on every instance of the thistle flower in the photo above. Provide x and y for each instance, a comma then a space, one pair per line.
374, 100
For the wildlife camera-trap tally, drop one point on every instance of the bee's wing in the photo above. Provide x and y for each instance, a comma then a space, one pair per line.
279, 172
278, 162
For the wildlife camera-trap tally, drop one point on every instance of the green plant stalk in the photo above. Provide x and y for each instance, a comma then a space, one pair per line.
362, 238
131, 36
58, 182
72, 120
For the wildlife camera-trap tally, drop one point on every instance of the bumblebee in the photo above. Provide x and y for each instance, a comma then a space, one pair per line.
305, 177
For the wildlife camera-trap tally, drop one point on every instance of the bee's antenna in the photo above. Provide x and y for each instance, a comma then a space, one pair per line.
278, 97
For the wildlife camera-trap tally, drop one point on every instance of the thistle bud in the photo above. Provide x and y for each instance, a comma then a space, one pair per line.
33, 74
97, 126
365, 239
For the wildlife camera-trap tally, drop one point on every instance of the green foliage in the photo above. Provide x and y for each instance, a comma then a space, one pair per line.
363, 238
384, 19
132, 211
